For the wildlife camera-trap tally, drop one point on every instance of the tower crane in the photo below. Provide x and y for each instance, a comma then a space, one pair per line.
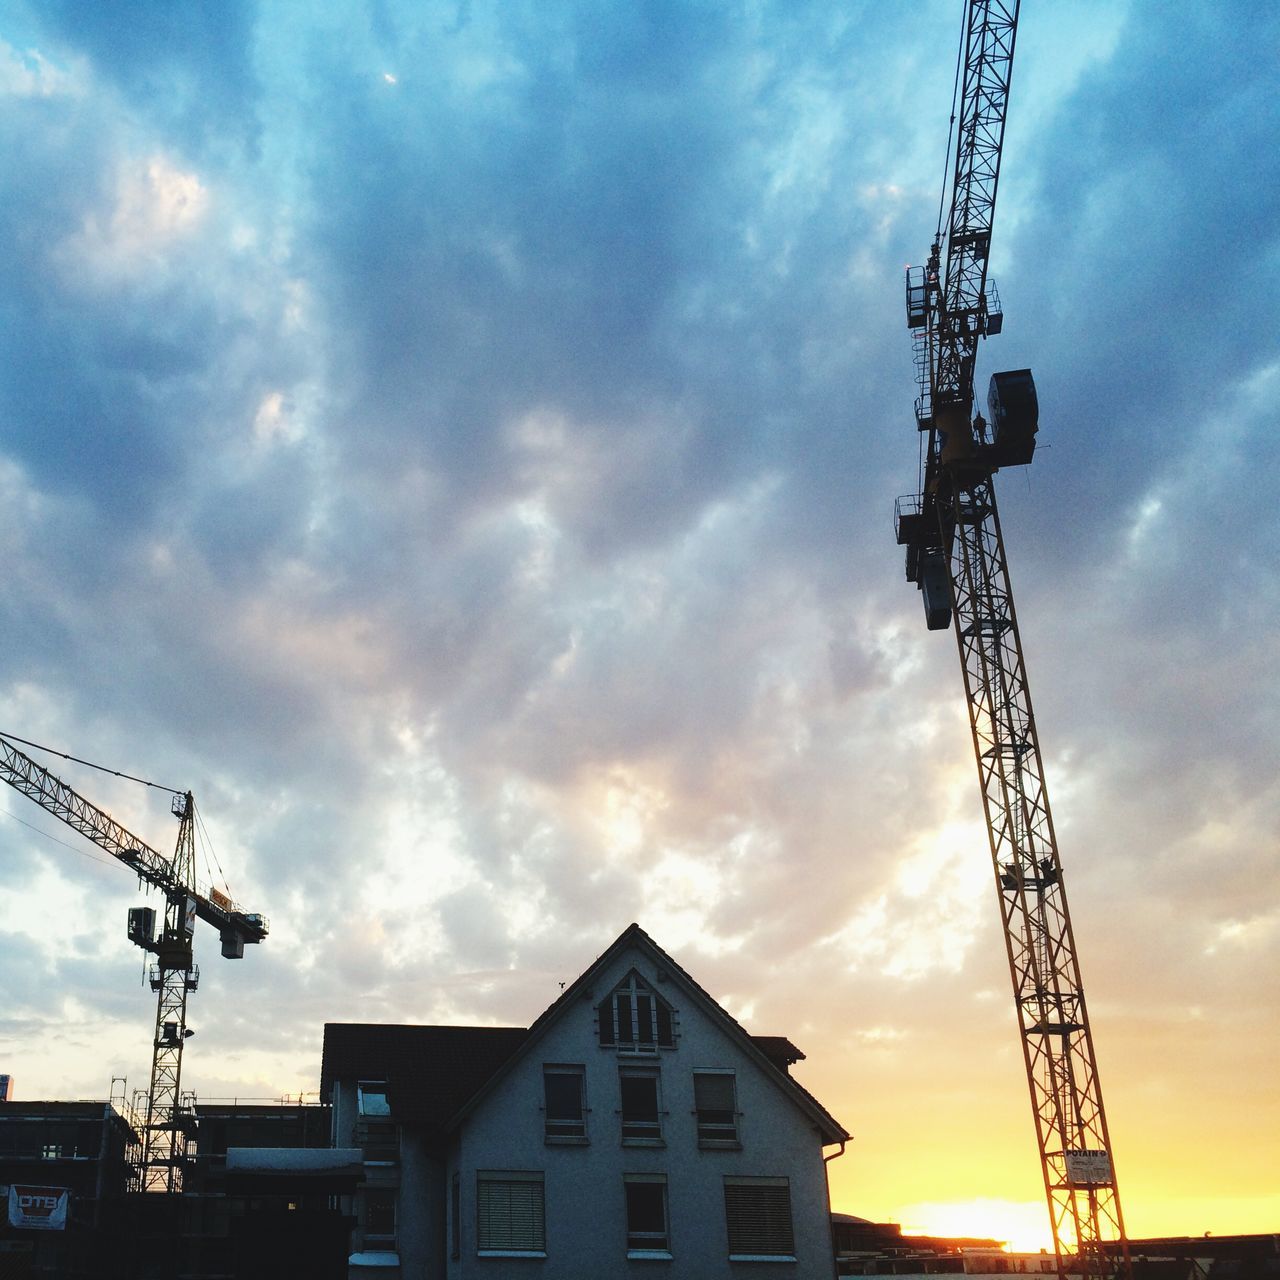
174, 973
955, 555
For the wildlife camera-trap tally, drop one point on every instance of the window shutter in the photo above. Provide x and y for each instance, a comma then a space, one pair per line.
713, 1091
509, 1214
758, 1214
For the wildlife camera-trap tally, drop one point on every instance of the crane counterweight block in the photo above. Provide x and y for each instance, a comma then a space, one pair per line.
1014, 416
935, 591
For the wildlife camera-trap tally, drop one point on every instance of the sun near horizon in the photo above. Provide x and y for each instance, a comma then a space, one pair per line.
1021, 1226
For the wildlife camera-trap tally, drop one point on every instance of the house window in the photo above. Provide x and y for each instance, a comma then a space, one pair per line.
716, 1104
647, 1235
641, 1122
372, 1097
564, 1103
758, 1215
636, 1019
510, 1218
380, 1215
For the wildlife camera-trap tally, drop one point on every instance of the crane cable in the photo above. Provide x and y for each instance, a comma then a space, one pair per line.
84, 853
961, 45
951, 127
102, 768
206, 842
206, 847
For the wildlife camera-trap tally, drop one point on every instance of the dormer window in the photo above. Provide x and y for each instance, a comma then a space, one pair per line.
635, 1018
372, 1097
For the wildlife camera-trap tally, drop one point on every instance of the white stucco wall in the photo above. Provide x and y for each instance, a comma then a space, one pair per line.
584, 1196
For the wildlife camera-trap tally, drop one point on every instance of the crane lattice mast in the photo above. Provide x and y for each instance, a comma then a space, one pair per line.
956, 557
174, 974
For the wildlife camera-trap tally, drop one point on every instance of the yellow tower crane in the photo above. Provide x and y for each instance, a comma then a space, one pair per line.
174, 974
956, 557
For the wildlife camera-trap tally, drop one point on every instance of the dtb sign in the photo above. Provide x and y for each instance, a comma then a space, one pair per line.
38, 1208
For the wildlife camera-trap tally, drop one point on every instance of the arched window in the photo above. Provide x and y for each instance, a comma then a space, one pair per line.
636, 1018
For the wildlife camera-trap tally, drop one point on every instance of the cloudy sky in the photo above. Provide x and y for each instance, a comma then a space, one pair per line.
459, 441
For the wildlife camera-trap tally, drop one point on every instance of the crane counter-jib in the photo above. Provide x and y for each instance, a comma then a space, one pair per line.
251, 926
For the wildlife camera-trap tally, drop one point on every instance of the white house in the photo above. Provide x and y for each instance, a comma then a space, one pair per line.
634, 1129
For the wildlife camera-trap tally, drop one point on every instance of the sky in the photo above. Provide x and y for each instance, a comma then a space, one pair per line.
459, 442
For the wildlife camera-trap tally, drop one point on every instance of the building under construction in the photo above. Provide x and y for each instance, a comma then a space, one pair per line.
262, 1194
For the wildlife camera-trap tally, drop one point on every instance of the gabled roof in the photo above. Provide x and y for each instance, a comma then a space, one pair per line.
435, 1075
429, 1071
766, 1058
